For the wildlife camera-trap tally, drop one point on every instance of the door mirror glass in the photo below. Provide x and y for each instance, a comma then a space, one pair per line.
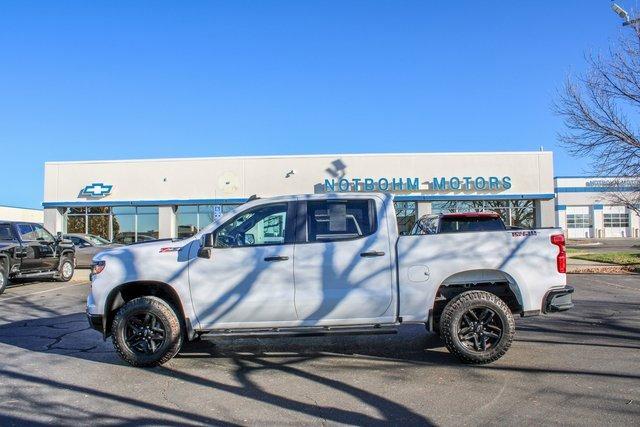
249, 239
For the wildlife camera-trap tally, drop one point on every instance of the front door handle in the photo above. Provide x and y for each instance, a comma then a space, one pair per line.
371, 254
276, 258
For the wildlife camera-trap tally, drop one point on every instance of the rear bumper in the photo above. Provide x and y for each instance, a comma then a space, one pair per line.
558, 300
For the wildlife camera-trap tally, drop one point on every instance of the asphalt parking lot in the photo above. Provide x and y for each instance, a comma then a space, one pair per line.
579, 367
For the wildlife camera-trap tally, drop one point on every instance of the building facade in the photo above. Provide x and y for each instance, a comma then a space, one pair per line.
13, 213
136, 200
586, 208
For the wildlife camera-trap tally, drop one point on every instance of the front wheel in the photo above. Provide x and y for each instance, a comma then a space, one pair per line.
147, 332
65, 272
4, 277
477, 327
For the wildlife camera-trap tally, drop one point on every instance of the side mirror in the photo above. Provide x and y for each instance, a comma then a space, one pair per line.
207, 243
59, 236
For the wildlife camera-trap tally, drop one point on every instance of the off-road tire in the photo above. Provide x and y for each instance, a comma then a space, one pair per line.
4, 276
166, 314
451, 318
66, 265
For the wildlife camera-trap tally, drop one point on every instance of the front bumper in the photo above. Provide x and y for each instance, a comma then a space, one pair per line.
558, 300
95, 321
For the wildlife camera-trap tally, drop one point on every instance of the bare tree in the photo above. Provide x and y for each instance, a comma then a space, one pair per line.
600, 109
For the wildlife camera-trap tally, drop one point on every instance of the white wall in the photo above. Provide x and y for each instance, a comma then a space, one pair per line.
9, 213
241, 177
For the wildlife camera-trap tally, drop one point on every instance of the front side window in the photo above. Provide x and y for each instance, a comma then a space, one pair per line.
42, 233
331, 220
264, 225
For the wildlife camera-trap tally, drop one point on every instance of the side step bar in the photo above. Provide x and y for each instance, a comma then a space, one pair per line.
299, 332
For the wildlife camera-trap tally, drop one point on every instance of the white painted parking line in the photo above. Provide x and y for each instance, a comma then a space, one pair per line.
41, 292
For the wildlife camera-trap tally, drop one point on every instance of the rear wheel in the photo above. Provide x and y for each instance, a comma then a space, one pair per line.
147, 332
477, 327
4, 277
66, 269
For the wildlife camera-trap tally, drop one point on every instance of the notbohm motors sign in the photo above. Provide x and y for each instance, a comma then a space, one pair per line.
436, 184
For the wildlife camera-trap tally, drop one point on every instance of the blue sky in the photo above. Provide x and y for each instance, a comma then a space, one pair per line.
120, 79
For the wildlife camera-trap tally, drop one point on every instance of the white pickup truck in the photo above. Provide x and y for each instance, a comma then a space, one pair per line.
325, 264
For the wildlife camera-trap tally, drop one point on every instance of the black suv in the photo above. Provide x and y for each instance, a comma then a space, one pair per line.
28, 250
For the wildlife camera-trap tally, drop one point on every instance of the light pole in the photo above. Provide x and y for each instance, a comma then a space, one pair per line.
624, 15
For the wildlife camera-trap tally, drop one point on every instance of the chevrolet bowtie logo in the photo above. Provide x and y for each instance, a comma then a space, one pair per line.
97, 189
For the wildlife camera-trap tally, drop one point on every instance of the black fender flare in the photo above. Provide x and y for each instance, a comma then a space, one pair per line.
65, 253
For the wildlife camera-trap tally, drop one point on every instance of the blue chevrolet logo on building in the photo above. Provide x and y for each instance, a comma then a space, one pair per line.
97, 189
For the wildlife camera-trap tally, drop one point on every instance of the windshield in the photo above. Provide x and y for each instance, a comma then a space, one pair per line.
5, 232
97, 240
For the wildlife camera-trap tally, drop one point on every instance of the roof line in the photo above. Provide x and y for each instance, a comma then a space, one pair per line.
20, 207
289, 156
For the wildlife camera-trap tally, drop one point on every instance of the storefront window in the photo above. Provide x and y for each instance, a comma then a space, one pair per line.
124, 224
76, 220
616, 220
186, 221
514, 213
191, 219
578, 221
99, 221
147, 223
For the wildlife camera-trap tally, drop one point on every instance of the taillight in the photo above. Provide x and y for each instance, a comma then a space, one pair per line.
97, 267
561, 259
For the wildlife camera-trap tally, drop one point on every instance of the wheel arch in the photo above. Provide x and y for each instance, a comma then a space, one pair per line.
66, 253
497, 282
125, 292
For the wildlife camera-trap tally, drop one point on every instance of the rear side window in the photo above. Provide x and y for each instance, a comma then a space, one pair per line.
331, 220
5, 232
453, 225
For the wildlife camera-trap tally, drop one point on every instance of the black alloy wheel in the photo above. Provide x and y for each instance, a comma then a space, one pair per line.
144, 333
477, 327
147, 331
480, 329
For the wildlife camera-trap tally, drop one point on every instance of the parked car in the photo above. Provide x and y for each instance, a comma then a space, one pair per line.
87, 246
28, 250
458, 222
325, 264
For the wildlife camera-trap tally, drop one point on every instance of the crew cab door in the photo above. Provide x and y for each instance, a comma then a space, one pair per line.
35, 254
248, 279
343, 265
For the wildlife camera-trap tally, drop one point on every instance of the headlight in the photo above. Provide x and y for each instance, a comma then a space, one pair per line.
97, 267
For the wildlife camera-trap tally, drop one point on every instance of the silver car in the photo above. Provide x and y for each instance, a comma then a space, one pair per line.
87, 245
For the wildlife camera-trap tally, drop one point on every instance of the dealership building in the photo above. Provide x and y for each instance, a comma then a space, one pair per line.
590, 207
137, 200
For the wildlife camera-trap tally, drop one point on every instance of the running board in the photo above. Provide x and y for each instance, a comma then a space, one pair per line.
298, 332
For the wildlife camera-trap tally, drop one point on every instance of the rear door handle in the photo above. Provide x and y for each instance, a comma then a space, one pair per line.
276, 258
371, 254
